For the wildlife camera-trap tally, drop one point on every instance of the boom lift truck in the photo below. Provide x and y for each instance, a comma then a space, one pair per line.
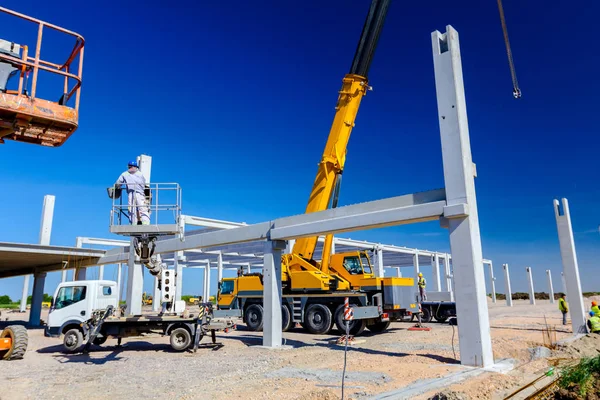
314, 292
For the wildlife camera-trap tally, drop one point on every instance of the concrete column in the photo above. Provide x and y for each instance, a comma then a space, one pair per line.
448, 273
248, 269
119, 280
461, 209
23, 307
39, 279
79, 274
435, 268
100, 272
290, 246
550, 288
333, 246
46, 223
63, 277
531, 291
570, 266
507, 289
398, 273
219, 269
564, 284
206, 294
492, 283
135, 284
379, 272
272, 333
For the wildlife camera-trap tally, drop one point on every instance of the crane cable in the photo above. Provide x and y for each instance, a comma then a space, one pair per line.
516, 89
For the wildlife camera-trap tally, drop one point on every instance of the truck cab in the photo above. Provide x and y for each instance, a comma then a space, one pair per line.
74, 302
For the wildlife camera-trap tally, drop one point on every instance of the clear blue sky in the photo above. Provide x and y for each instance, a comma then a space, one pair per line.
234, 101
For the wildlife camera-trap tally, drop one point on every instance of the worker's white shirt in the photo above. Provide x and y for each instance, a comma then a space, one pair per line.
135, 182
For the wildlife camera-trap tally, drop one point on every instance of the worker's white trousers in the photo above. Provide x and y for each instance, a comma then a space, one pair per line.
138, 208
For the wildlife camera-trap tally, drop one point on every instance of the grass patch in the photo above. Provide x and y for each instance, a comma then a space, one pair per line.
11, 306
580, 378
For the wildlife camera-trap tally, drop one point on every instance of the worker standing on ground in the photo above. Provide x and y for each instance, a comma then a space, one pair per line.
135, 182
563, 307
594, 323
422, 283
595, 309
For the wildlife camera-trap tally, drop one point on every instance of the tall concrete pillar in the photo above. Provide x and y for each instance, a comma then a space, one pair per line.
207, 282
398, 273
531, 291
46, 223
290, 246
461, 210
219, 269
570, 266
272, 328
509, 301
25, 294
39, 279
63, 277
135, 283
178, 279
100, 272
448, 274
492, 282
550, 288
120, 281
435, 268
379, 272
79, 274
564, 284
248, 269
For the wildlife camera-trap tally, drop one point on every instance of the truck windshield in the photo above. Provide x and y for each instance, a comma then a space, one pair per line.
69, 295
227, 287
365, 263
352, 265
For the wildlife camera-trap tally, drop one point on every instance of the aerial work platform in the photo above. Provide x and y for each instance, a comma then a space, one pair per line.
25, 116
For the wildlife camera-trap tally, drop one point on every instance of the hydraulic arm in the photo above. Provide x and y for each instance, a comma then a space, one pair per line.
325, 190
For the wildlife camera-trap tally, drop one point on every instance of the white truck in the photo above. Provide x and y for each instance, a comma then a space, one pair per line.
87, 312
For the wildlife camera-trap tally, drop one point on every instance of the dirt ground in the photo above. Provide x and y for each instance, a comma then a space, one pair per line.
311, 369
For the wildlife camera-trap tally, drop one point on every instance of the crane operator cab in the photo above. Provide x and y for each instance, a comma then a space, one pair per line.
39, 99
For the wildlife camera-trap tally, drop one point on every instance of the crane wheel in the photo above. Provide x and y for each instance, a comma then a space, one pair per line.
318, 319
286, 319
254, 317
19, 338
357, 326
72, 340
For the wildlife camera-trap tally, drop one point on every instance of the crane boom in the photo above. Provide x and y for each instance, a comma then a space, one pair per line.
354, 87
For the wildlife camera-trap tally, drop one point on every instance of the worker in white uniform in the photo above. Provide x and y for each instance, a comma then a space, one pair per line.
135, 183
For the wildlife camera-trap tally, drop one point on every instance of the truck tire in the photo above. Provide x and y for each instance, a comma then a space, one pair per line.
180, 339
286, 318
378, 327
254, 317
318, 319
19, 338
357, 326
426, 315
72, 340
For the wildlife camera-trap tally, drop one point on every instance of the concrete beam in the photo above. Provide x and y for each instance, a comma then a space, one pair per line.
507, 289
531, 290
272, 328
461, 210
550, 288
570, 266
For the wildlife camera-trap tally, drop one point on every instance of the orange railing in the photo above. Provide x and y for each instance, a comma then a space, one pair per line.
35, 63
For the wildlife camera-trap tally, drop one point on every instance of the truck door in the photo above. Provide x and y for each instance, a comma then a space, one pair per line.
227, 294
70, 304
107, 296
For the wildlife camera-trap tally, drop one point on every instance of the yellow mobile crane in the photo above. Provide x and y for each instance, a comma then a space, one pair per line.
314, 292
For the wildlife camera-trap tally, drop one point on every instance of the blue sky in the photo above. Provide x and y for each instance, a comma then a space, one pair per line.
234, 101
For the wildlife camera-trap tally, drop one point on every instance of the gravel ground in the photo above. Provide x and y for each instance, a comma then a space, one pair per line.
147, 368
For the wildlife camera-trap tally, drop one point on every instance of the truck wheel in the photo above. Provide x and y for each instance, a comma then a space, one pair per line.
441, 318
254, 317
357, 326
318, 319
19, 338
286, 319
72, 340
426, 315
180, 339
379, 326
